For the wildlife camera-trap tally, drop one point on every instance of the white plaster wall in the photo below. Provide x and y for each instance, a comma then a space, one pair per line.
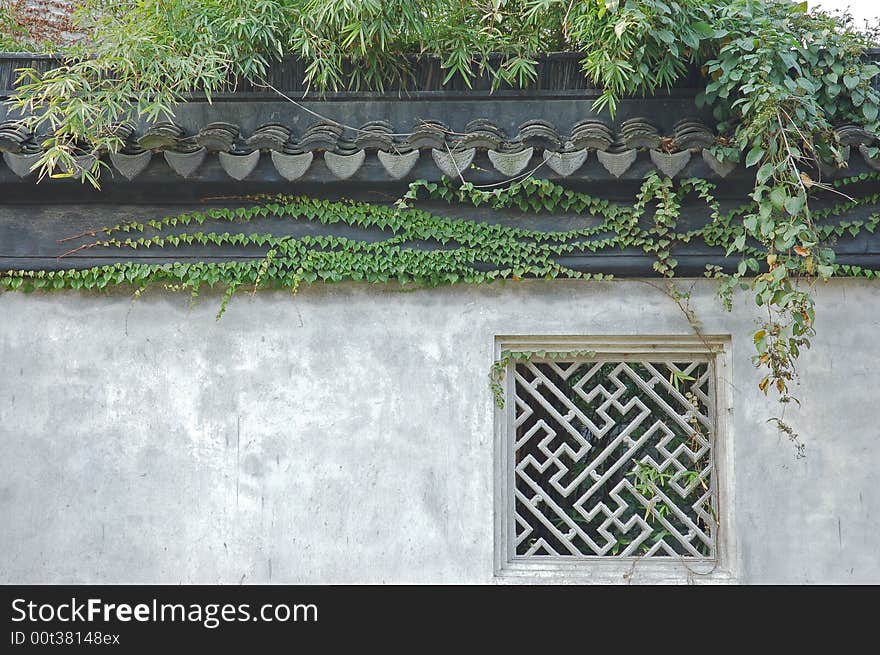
345, 434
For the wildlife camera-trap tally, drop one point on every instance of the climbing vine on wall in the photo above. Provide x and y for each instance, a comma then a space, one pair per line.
499, 366
463, 250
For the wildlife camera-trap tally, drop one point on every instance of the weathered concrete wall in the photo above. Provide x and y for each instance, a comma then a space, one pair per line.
346, 434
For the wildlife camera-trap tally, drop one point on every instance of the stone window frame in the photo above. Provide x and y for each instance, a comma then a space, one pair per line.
605, 570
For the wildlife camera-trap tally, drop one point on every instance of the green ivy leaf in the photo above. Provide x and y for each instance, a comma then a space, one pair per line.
794, 204
778, 197
754, 156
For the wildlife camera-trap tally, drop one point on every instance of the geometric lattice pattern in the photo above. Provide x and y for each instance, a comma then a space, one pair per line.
613, 459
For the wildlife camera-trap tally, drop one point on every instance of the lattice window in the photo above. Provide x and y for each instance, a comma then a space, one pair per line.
610, 456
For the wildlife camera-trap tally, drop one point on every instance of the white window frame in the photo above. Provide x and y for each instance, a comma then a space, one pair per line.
511, 569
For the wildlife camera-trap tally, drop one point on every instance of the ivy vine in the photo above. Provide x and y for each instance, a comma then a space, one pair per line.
499, 367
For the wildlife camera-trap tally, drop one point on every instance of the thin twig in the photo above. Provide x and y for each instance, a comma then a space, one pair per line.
87, 233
